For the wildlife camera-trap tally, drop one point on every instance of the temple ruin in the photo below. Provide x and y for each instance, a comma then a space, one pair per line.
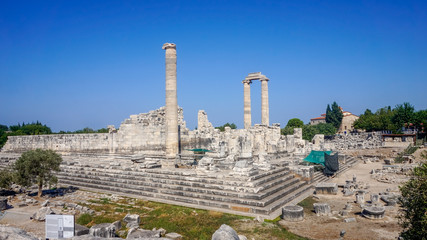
251, 171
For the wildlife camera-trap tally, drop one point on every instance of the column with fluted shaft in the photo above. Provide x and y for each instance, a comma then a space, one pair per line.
171, 107
265, 120
247, 118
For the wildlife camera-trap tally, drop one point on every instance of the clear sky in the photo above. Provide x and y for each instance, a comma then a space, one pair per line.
76, 64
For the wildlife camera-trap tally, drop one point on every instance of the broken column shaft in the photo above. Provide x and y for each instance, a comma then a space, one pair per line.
247, 103
171, 106
264, 102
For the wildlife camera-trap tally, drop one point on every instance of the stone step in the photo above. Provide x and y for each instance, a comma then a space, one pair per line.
168, 186
251, 193
197, 202
190, 175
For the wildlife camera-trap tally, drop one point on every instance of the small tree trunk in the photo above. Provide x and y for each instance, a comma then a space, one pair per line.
40, 189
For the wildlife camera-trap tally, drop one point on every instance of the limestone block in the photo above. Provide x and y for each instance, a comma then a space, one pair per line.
322, 209
80, 230
374, 212
374, 198
7, 232
293, 213
132, 220
174, 236
105, 230
40, 215
326, 188
225, 232
142, 233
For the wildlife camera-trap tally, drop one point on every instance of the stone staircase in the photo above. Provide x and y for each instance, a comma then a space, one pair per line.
320, 177
263, 193
260, 194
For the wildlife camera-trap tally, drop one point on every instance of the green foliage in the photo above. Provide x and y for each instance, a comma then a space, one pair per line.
379, 121
25, 129
292, 123
4, 128
402, 116
37, 167
84, 219
308, 131
334, 115
190, 223
222, 128
5, 178
413, 218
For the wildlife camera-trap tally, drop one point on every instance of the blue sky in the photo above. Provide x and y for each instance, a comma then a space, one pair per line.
76, 64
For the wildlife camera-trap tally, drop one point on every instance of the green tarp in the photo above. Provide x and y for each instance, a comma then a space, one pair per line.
317, 157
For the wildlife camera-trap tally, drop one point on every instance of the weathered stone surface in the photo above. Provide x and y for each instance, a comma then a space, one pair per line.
3, 203
132, 220
174, 236
322, 209
80, 230
12, 233
327, 188
40, 215
225, 232
106, 230
142, 233
348, 220
374, 212
293, 213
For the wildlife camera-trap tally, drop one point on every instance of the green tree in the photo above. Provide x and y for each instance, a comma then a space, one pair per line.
4, 128
308, 131
328, 117
404, 114
5, 178
413, 217
37, 167
222, 128
292, 123
334, 116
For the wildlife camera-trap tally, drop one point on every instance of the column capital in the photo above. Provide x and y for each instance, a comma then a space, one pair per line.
264, 78
247, 81
169, 45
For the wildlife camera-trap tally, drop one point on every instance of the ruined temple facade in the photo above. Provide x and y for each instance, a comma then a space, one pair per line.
163, 134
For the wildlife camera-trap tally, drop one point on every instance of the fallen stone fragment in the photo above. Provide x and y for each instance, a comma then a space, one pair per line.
40, 215
132, 220
80, 230
322, 209
142, 233
347, 220
13, 233
174, 236
106, 230
225, 232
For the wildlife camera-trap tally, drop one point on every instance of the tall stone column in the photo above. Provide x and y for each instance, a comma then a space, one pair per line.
171, 106
265, 112
247, 103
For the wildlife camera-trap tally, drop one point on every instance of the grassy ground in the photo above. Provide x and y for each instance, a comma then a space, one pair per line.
190, 223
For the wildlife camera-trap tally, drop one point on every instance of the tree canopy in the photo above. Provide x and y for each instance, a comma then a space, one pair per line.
37, 167
292, 123
334, 116
413, 217
222, 128
308, 131
394, 120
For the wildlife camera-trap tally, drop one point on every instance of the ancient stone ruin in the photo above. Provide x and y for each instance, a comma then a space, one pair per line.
252, 171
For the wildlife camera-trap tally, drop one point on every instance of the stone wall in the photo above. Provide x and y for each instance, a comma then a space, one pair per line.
94, 142
145, 133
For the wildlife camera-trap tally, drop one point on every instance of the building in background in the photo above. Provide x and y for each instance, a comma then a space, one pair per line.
346, 124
